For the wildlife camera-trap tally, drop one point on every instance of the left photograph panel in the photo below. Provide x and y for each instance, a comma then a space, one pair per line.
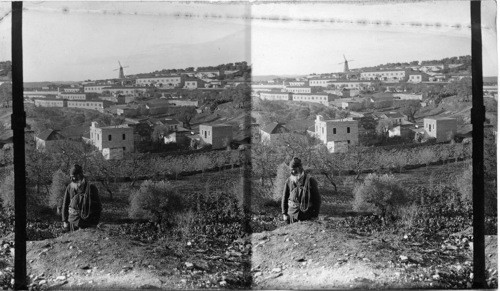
136, 145
7, 246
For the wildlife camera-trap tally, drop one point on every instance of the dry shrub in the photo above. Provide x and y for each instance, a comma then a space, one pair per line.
282, 174
262, 196
409, 215
155, 201
379, 194
185, 223
57, 188
34, 202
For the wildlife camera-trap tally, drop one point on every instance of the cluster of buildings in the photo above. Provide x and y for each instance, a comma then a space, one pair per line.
339, 134
114, 142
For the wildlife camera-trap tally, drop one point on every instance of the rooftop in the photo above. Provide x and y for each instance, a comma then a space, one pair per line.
274, 127
311, 94
384, 70
350, 81
159, 77
440, 118
217, 125
50, 134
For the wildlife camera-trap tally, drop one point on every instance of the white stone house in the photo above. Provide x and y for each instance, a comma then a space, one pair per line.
441, 128
337, 134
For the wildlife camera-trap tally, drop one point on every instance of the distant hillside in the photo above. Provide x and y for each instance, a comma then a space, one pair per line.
491, 79
237, 66
30, 85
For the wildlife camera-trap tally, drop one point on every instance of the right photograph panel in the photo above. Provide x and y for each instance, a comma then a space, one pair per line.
362, 145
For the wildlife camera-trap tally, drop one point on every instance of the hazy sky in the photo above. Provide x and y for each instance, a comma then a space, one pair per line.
405, 32
77, 40
84, 40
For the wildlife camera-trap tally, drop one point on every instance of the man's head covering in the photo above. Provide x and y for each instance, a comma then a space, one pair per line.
75, 170
295, 163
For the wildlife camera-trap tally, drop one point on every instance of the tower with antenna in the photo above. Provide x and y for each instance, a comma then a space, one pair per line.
346, 64
121, 75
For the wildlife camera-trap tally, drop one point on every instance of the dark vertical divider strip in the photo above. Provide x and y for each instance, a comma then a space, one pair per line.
477, 118
18, 125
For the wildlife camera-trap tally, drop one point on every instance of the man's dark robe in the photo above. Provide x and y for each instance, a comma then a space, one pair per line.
301, 200
81, 205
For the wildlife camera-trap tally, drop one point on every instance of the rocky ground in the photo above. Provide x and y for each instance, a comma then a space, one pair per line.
316, 255
304, 255
98, 258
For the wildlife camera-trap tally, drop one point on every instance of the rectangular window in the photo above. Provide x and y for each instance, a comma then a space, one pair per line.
348, 130
123, 136
429, 127
334, 131
124, 148
348, 141
109, 137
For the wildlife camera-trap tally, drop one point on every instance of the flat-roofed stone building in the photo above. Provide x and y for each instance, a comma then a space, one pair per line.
337, 134
218, 135
441, 128
112, 141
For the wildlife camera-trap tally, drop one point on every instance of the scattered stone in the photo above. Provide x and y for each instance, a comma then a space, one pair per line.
60, 278
366, 260
188, 243
42, 282
189, 265
363, 280
276, 270
222, 283
258, 274
272, 276
436, 277
403, 258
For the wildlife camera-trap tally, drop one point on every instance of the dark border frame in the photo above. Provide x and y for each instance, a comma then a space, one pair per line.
19, 124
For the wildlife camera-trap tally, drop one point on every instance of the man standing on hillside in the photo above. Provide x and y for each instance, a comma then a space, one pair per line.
301, 199
81, 204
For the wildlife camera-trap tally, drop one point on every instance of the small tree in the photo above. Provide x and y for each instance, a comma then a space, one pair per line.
156, 202
410, 110
57, 188
380, 194
383, 127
